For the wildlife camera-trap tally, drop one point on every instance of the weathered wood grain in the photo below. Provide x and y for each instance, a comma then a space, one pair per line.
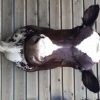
20, 76
77, 15
68, 90
32, 78
7, 67
32, 12
0, 54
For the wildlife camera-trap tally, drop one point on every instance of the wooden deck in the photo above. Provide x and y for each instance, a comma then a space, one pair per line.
55, 84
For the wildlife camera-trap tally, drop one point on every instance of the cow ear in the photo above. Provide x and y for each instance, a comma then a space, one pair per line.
90, 81
90, 15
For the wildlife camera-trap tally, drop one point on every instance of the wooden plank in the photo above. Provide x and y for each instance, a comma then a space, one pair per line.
77, 12
20, 76
98, 19
32, 12
44, 83
32, 78
56, 74
19, 13
0, 54
68, 90
66, 14
55, 14
0, 16
77, 15
98, 30
7, 69
43, 13
90, 95
20, 87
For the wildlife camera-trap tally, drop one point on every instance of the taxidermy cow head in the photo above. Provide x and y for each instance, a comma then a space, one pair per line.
35, 48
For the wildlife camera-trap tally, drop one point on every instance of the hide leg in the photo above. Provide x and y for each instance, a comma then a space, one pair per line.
8, 47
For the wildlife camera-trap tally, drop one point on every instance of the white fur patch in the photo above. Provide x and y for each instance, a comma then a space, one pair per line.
91, 46
46, 47
11, 52
14, 57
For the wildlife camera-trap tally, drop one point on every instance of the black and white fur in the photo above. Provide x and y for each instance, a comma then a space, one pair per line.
81, 47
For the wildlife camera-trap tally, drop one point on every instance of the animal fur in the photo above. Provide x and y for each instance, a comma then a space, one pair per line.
35, 48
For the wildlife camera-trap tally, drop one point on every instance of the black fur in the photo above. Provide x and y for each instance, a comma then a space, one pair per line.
90, 81
90, 15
